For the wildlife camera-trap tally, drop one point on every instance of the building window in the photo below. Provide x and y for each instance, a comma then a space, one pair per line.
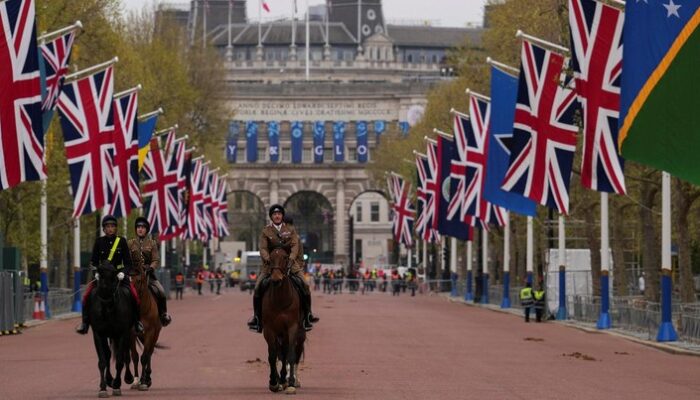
358, 250
435, 58
358, 212
286, 154
262, 154
409, 58
374, 211
307, 155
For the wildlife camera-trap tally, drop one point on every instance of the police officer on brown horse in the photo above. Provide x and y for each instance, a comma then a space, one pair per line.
280, 235
147, 250
114, 249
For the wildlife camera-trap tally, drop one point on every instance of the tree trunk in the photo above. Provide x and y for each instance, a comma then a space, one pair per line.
617, 246
685, 196
651, 257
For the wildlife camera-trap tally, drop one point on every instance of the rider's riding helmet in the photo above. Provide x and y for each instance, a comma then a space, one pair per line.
108, 219
142, 221
276, 208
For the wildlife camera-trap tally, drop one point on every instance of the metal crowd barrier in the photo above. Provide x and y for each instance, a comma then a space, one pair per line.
11, 304
163, 276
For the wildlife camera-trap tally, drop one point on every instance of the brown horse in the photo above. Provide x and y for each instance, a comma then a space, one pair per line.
151, 332
282, 327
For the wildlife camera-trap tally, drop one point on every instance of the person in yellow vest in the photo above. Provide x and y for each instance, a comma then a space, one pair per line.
538, 296
526, 300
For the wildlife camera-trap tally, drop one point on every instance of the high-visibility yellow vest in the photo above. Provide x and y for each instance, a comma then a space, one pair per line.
539, 294
526, 296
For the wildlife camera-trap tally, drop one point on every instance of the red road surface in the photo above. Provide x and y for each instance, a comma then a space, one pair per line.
365, 347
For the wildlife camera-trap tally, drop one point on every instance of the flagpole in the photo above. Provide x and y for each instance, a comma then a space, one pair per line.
229, 47
150, 114
468, 294
51, 35
77, 301
43, 262
604, 317
168, 129
505, 303
529, 251
94, 68
260, 28
453, 264
425, 260
503, 67
461, 114
552, 46
485, 266
128, 91
443, 134
205, 9
667, 333
162, 253
470, 92
308, 57
187, 253
561, 313
359, 27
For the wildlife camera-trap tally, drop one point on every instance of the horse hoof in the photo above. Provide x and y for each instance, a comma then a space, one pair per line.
291, 390
116, 392
102, 394
135, 384
275, 388
128, 380
143, 387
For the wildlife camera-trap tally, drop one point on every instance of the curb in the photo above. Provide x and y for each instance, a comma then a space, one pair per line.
656, 345
36, 322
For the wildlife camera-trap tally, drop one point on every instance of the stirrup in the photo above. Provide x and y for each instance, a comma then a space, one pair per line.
307, 325
82, 329
313, 318
165, 319
138, 327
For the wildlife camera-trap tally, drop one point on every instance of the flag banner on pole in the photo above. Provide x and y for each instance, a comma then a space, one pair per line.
404, 213
183, 185
319, 140
168, 145
424, 222
125, 185
339, 141
234, 129
175, 165
596, 42
206, 231
145, 133
159, 191
221, 211
195, 202
456, 227
251, 133
87, 121
404, 127
504, 90
432, 184
55, 56
362, 145
273, 135
659, 104
21, 131
544, 132
297, 141
379, 129
477, 155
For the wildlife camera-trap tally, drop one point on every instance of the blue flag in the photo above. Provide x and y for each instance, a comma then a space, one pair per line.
319, 139
362, 146
145, 131
234, 129
297, 141
339, 141
273, 134
504, 90
251, 133
379, 128
446, 152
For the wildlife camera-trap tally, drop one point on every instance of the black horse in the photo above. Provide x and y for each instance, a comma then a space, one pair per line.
111, 317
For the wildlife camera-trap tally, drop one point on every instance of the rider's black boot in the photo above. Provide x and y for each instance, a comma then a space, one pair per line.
312, 317
138, 326
161, 301
85, 324
255, 323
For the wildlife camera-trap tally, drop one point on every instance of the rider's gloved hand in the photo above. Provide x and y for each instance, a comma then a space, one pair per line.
120, 276
97, 276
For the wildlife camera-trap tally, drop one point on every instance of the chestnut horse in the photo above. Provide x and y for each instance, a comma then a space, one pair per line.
282, 327
151, 332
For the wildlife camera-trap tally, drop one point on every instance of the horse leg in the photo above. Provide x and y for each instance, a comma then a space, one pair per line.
108, 374
128, 377
135, 361
283, 370
121, 349
273, 384
292, 358
145, 381
102, 362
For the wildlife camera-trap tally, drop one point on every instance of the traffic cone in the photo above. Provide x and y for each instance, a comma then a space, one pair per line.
42, 308
37, 314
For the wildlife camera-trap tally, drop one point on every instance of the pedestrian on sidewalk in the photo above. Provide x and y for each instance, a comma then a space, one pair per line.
539, 303
526, 300
179, 285
200, 281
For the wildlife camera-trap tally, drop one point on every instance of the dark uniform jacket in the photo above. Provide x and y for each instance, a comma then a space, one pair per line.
121, 259
287, 237
145, 252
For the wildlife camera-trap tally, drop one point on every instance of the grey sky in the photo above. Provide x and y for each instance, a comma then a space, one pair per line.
438, 12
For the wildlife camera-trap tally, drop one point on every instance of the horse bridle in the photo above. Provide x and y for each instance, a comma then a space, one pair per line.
289, 264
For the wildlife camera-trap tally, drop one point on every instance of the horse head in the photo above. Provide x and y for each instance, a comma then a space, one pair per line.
107, 284
279, 265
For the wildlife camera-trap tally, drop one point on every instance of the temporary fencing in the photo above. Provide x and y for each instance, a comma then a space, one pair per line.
11, 304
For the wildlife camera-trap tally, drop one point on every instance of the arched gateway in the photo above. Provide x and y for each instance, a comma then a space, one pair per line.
339, 184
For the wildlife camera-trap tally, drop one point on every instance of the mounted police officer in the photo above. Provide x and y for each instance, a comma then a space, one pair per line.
114, 249
278, 234
145, 250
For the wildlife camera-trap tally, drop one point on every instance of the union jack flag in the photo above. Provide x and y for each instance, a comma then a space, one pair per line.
544, 133
175, 165
404, 213
221, 212
195, 219
458, 169
125, 185
210, 205
159, 192
424, 228
56, 55
477, 155
596, 40
85, 107
21, 132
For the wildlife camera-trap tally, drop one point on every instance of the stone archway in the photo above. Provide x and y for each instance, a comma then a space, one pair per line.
314, 220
